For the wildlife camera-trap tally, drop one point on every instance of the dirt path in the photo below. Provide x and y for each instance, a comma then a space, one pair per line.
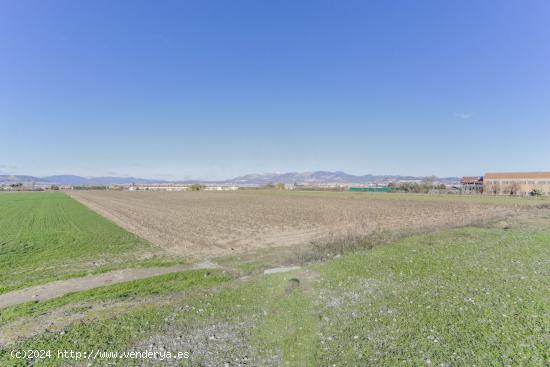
61, 287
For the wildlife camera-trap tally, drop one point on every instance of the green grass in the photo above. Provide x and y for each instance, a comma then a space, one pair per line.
47, 236
157, 285
285, 323
469, 296
460, 297
243, 265
290, 326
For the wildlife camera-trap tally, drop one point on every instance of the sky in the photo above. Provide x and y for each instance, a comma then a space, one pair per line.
212, 89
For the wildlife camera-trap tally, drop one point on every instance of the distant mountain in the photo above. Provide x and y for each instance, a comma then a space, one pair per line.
326, 177
303, 178
295, 177
73, 180
13, 179
90, 181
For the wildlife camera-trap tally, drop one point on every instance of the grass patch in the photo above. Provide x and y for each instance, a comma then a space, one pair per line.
158, 285
281, 326
470, 296
108, 335
49, 236
290, 327
252, 267
244, 267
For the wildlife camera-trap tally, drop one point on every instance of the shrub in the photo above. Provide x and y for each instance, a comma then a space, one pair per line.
197, 187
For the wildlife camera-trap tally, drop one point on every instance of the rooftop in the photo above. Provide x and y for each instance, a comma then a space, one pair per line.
516, 175
471, 179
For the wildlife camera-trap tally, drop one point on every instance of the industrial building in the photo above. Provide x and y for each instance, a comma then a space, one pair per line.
516, 183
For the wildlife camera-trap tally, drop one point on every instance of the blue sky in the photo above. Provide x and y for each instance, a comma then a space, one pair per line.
214, 89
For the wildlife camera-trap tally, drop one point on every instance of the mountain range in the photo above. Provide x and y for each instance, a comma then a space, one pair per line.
320, 177
316, 177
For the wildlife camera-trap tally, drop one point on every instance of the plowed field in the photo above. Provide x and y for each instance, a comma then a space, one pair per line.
204, 224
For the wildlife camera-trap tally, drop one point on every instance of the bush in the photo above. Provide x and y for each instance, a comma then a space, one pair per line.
197, 187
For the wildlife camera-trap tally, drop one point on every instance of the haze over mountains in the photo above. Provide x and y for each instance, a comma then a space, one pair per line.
316, 177
320, 177
75, 180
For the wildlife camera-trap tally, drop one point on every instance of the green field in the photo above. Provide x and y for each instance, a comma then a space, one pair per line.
459, 297
47, 236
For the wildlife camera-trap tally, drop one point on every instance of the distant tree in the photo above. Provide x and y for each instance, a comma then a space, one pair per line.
408, 187
269, 185
428, 181
513, 188
197, 187
536, 192
280, 186
54, 187
494, 188
16, 186
426, 184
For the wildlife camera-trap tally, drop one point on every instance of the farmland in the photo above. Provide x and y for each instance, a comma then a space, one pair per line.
47, 236
206, 224
464, 296
464, 283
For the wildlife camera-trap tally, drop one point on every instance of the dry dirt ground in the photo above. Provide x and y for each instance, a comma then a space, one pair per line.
208, 224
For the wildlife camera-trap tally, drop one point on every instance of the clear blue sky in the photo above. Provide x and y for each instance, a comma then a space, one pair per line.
213, 89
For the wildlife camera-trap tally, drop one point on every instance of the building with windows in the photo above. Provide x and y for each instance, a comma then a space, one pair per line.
471, 185
516, 183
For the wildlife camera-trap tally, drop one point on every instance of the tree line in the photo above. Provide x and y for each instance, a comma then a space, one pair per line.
425, 186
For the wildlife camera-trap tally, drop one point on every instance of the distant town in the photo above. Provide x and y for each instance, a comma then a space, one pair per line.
493, 183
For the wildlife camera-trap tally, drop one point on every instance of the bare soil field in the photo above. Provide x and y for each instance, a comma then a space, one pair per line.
208, 224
